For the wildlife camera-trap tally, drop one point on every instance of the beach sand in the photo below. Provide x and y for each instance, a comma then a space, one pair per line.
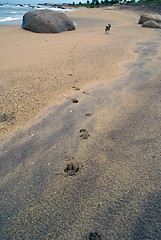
39, 70
89, 169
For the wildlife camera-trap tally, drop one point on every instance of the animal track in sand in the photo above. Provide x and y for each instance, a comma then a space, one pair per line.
76, 88
75, 100
88, 114
7, 117
94, 236
71, 169
84, 134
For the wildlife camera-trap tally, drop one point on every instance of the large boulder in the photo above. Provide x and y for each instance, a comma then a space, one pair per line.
145, 17
47, 21
151, 24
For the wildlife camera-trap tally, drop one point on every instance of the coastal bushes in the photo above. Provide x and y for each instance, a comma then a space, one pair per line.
102, 3
95, 3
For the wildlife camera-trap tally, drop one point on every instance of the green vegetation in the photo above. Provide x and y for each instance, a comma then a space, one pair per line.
102, 3
149, 2
96, 3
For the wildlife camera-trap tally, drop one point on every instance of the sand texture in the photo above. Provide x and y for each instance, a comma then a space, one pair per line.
80, 127
37, 70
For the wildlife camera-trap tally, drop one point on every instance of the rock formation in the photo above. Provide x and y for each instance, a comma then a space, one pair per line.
145, 17
151, 24
47, 21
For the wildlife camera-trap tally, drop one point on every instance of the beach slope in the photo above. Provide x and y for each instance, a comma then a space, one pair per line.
81, 131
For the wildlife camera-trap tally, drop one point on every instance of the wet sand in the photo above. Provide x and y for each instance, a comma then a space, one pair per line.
89, 169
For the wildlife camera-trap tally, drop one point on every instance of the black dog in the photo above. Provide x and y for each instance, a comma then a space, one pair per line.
107, 29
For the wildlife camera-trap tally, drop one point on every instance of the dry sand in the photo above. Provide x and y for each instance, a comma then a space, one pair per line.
38, 70
86, 170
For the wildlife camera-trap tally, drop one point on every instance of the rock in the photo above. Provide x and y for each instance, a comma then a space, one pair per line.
151, 24
145, 17
47, 21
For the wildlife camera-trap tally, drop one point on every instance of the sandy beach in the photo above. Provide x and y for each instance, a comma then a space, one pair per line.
89, 169
39, 70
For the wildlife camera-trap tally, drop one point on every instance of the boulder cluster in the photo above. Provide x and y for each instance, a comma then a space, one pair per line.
150, 21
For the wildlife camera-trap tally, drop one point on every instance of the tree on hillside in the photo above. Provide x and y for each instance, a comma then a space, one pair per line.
95, 2
106, 2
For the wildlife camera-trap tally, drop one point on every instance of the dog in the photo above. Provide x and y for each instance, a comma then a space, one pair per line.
107, 29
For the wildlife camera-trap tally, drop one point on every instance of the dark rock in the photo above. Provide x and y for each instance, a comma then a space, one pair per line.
151, 24
47, 21
145, 17
20, 5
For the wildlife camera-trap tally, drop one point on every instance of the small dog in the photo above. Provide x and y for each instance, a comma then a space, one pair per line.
107, 29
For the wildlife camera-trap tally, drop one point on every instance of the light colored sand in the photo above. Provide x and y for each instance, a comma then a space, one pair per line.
38, 70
